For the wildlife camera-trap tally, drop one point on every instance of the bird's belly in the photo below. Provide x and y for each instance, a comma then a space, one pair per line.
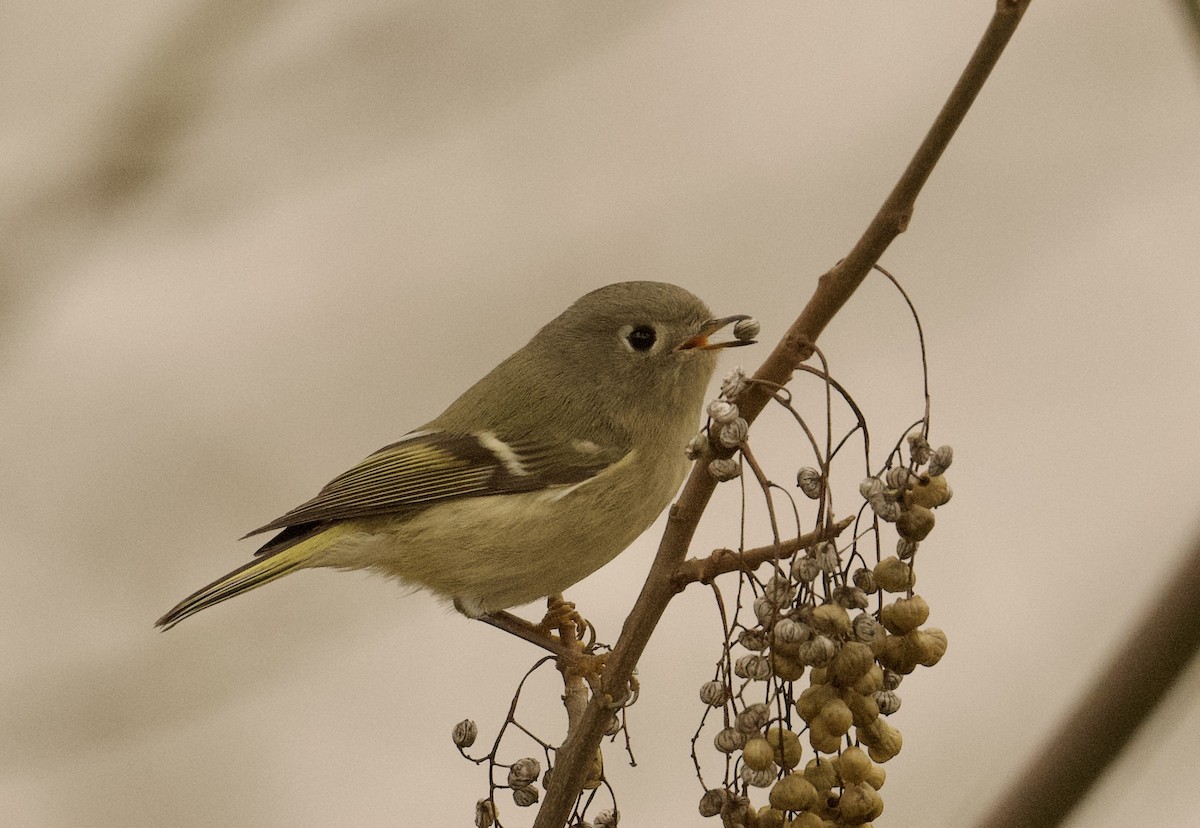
491, 553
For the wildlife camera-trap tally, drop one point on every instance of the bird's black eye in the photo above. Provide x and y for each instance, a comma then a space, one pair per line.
642, 338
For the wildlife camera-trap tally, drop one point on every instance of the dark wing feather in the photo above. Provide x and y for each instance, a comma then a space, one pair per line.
432, 466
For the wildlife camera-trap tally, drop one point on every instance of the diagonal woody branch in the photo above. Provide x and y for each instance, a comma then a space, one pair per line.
833, 291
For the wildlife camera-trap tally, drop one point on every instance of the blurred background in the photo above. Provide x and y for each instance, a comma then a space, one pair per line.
244, 245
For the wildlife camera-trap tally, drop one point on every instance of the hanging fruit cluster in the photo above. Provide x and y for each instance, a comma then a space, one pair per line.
854, 631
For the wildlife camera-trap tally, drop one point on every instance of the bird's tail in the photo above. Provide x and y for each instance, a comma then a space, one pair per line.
275, 564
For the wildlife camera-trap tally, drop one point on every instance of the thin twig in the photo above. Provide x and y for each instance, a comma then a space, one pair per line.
703, 570
833, 291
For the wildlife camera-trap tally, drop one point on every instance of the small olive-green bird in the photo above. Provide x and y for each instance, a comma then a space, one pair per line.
538, 475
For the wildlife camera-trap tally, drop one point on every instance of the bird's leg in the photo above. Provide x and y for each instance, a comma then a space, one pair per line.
559, 632
560, 611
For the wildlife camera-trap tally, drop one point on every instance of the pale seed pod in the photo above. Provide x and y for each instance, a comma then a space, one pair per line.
758, 754
891, 680
744, 330
754, 639
806, 569
786, 667
813, 699
816, 653
789, 632
905, 548
766, 611
850, 597
930, 645
768, 817
886, 740
695, 446
831, 620
929, 492
729, 739
822, 774
759, 778
853, 765
899, 478
885, 508
734, 433
865, 627
809, 819
852, 662
734, 384
904, 614
809, 481
835, 717
607, 819
863, 708
738, 811
714, 693
722, 411
723, 469
779, 591
871, 682
826, 555
823, 739
524, 772
753, 667
786, 747
485, 813
793, 793
464, 733
919, 449
753, 718
524, 797
713, 801
915, 523
942, 458
897, 653
894, 575
870, 487
860, 804
864, 579
876, 777
888, 701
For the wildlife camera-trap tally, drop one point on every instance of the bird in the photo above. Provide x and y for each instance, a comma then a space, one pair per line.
535, 477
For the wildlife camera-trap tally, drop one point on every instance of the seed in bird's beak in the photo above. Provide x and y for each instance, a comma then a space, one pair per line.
746, 329
700, 340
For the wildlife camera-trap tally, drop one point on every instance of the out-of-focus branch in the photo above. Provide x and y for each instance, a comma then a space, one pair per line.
1105, 718
833, 291
1191, 19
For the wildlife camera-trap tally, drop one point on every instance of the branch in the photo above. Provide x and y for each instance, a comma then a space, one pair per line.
703, 570
1105, 718
833, 291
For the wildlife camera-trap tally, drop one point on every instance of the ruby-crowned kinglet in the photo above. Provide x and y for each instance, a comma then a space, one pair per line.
538, 475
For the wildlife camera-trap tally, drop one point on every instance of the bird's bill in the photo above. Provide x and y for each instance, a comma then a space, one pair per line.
700, 341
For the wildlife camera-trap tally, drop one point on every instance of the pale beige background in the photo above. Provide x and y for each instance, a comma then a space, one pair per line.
242, 245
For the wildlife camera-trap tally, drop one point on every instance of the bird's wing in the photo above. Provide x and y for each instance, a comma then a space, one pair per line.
426, 467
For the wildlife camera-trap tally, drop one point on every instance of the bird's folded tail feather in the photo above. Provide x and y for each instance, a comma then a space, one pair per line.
245, 578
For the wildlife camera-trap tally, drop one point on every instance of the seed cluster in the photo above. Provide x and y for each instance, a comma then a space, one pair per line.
852, 630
